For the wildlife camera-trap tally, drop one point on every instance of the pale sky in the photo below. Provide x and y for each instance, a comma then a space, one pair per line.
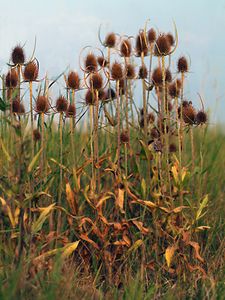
63, 28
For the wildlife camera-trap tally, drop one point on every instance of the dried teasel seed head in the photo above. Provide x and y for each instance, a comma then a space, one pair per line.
172, 148
96, 81
201, 117
18, 56
168, 75
110, 94
36, 135
174, 90
151, 35
16, 106
117, 71
182, 65
125, 48
21, 108
30, 72
110, 40
157, 76
124, 137
189, 114
11, 79
151, 118
71, 111
90, 97
101, 95
143, 72
170, 38
42, 105
90, 63
162, 45
141, 44
61, 104
73, 81
130, 71
154, 133
102, 61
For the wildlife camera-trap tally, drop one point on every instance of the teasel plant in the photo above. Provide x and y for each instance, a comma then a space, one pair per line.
162, 49
30, 74
141, 48
73, 86
117, 74
18, 60
42, 107
61, 108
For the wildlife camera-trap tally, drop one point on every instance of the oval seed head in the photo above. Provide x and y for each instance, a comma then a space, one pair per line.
125, 48
42, 105
189, 114
154, 133
18, 56
124, 137
151, 118
96, 81
141, 44
162, 45
21, 109
90, 63
168, 76
61, 104
90, 97
170, 38
101, 95
201, 117
130, 71
117, 71
143, 72
174, 90
151, 36
11, 79
110, 94
157, 76
36, 135
182, 65
71, 111
172, 148
30, 72
16, 106
110, 40
73, 81
102, 61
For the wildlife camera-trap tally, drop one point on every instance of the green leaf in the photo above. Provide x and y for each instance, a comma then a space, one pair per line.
34, 160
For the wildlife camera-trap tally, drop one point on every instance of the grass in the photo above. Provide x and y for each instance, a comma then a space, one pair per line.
109, 208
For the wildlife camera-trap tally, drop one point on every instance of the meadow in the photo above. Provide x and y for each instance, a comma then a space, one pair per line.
114, 188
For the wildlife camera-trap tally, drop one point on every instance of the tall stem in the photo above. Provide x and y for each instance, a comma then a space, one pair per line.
118, 123
31, 118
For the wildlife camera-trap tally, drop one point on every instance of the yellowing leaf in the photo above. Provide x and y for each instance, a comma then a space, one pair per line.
175, 173
69, 249
120, 199
169, 254
203, 204
37, 225
71, 199
8, 212
135, 246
